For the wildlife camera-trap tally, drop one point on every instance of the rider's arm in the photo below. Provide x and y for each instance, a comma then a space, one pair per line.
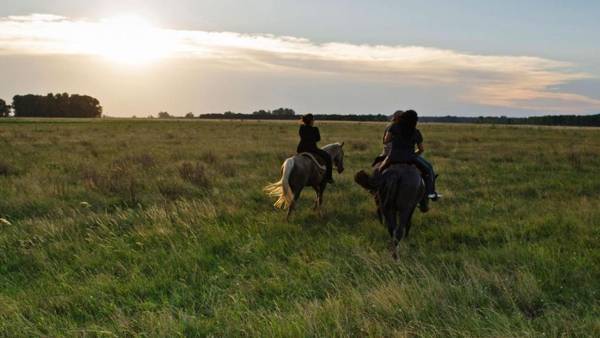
317, 135
419, 142
387, 138
420, 149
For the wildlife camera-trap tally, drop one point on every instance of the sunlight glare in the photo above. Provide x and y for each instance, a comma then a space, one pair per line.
130, 40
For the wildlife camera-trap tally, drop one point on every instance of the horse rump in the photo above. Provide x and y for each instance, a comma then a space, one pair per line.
281, 189
389, 189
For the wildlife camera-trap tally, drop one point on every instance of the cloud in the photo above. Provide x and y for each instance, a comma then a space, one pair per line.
521, 82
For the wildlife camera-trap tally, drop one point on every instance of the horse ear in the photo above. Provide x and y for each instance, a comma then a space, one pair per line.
343, 144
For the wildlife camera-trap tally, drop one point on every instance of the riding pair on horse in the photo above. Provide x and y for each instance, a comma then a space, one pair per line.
400, 139
402, 179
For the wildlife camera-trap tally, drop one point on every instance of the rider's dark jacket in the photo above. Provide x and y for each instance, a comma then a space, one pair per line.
403, 143
309, 136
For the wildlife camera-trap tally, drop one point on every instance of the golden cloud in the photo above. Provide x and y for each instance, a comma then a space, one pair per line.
523, 82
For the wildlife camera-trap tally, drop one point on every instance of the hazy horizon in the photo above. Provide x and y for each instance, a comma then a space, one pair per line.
464, 58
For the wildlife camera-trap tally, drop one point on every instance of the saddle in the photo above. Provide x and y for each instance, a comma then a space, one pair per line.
318, 160
383, 167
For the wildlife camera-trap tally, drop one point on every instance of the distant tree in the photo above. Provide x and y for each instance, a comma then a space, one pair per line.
189, 115
164, 115
4, 109
261, 112
229, 113
56, 105
283, 112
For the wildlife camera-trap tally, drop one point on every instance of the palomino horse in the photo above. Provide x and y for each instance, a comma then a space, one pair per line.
400, 191
301, 171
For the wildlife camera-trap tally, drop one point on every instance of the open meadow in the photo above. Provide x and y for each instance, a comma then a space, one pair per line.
161, 228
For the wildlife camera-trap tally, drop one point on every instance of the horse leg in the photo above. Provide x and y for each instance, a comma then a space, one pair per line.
379, 211
321, 191
398, 234
408, 222
289, 212
316, 204
296, 191
389, 217
319, 201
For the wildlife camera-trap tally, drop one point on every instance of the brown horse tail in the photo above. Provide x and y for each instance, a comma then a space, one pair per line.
282, 189
389, 189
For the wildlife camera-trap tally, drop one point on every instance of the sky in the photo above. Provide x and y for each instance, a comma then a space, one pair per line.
463, 57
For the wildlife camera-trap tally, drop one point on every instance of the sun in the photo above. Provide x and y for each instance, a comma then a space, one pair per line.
131, 40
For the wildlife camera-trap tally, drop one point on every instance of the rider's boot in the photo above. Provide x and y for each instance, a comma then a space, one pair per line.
434, 196
424, 205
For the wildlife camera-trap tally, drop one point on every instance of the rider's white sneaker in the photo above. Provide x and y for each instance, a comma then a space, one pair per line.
433, 196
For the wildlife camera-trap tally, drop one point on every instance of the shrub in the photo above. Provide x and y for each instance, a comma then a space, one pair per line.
359, 145
575, 160
227, 169
209, 157
145, 160
91, 177
172, 189
6, 169
120, 179
195, 174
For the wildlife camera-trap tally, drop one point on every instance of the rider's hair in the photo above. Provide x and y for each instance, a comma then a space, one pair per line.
308, 118
408, 121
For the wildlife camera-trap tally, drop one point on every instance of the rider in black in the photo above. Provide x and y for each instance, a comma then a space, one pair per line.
309, 136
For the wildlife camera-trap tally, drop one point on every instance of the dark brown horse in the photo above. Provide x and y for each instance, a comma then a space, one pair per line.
400, 191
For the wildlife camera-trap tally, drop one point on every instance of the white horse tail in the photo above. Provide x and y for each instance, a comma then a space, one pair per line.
282, 189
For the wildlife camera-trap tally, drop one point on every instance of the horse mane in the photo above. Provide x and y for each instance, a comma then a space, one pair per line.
334, 148
329, 146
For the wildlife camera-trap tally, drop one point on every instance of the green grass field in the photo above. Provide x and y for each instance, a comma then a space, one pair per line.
161, 228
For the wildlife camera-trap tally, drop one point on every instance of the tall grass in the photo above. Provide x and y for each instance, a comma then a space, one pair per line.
160, 228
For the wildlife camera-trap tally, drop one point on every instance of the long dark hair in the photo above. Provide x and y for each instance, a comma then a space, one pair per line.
408, 122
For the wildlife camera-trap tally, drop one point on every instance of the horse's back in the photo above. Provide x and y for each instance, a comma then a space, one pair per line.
407, 175
303, 172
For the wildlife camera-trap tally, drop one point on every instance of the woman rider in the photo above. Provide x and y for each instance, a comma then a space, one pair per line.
387, 145
404, 136
309, 136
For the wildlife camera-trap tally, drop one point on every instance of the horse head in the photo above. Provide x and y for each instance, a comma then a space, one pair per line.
336, 150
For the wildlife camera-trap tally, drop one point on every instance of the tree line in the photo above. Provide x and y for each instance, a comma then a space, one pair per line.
4, 109
548, 120
52, 105
65, 105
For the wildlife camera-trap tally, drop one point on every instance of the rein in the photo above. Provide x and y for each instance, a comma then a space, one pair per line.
314, 159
